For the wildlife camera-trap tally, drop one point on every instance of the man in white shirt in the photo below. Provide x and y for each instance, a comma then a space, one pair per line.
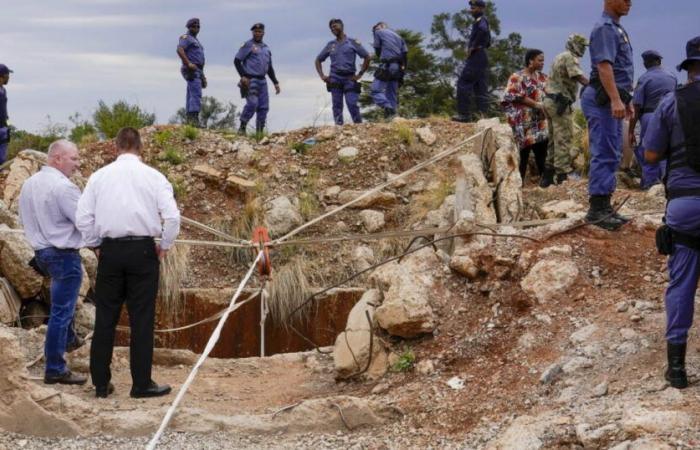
47, 205
124, 206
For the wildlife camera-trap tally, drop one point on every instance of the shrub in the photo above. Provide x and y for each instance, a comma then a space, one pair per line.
405, 362
190, 133
81, 130
110, 119
173, 156
162, 137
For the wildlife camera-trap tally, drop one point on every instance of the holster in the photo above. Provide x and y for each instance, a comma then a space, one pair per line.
244, 90
562, 103
330, 86
189, 74
664, 240
601, 96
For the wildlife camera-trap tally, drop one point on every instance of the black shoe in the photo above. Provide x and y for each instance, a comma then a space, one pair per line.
242, 129
609, 209
104, 391
193, 119
561, 177
675, 373
389, 113
66, 378
461, 118
75, 344
547, 178
599, 215
153, 390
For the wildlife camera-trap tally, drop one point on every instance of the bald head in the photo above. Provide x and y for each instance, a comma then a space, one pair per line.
63, 155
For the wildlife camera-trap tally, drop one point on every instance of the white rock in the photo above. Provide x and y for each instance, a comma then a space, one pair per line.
549, 278
456, 383
426, 135
362, 257
576, 363
15, 253
372, 220
583, 334
550, 373
425, 367
559, 209
638, 420
372, 200
559, 250
282, 216
245, 152
657, 191
348, 153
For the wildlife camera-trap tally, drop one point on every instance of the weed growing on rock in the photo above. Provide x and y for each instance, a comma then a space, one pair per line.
406, 361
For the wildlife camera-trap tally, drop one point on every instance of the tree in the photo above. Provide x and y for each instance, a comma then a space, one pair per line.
110, 119
450, 34
213, 115
425, 91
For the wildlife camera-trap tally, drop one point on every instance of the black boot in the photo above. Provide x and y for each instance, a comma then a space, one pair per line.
547, 178
242, 129
193, 119
599, 215
608, 207
561, 177
259, 131
389, 113
675, 373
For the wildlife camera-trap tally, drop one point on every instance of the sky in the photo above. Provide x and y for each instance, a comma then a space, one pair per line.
69, 54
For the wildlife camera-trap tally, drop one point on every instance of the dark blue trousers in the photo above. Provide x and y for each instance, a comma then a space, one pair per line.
651, 173
605, 138
346, 88
471, 84
193, 99
256, 103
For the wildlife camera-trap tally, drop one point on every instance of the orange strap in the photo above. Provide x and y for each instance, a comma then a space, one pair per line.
262, 237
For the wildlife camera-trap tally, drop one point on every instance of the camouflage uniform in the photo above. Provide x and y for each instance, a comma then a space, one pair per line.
562, 83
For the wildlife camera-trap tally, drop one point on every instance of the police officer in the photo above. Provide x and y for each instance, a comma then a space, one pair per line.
343, 81
392, 52
472, 80
191, 52
652, 86
4, 128
672, 134
253, 62
564, 77
605, 103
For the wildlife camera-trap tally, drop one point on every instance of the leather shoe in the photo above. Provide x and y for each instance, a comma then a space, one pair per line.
66, 378
104, 391
75, 345
152, 390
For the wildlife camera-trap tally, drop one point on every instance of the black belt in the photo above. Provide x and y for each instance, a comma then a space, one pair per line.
343, 74
127, 239
647, 110
62, 250
256, 77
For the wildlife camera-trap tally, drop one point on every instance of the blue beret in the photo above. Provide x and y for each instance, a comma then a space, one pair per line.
258, 26
192, 21
481, 3
4, 70
651, 54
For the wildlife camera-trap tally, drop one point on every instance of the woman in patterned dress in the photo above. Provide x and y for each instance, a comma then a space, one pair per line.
522, 103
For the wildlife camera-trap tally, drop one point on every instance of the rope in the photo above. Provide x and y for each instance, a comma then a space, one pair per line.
381, 186
209, 347
214, 231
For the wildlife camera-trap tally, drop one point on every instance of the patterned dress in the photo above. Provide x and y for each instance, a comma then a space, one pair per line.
529, 124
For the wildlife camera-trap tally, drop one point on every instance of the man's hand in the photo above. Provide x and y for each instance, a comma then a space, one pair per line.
618, 109
277, 89
630, 111
326, 78
191, 66
162, 253
245, 82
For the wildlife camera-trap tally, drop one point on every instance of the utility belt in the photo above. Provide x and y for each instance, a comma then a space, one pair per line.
256, 77
562, 102
384, 73
601, 96
666, 238
353, 86
191, 74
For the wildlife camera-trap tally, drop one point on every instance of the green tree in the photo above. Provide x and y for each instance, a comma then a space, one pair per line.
110, 119
83, 129
214, 114
425, 91
450, 35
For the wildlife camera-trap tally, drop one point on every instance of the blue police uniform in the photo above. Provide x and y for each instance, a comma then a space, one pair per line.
610, 43
195, 53
392, 52
472, 80
4, 129
665, 134
652, 86
254, 61
343, 55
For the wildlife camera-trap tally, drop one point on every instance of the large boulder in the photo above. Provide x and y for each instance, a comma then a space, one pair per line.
477, 195
408, 287
25, 164
426, 135
549, 277
15, 253
503, 171
282, 216
7, 217
352, 347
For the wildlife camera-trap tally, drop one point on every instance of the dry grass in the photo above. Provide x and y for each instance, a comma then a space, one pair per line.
432, 198
288, 289
173, 272
241, 226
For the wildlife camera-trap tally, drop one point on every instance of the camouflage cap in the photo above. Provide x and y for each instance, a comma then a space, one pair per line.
577, 44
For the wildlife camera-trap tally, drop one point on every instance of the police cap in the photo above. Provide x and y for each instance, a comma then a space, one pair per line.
193, 21
480, 3
258, 26
651, 54
4, 70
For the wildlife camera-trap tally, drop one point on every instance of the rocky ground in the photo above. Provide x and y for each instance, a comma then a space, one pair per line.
549, 336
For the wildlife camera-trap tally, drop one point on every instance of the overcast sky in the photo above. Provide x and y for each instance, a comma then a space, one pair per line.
68, 54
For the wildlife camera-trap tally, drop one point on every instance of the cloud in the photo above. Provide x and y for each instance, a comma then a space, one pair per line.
95, 21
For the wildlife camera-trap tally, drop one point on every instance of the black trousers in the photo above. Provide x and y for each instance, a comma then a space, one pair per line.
540, 151
126, 272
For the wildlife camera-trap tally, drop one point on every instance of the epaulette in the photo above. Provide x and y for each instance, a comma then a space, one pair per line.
184, 36
357, 41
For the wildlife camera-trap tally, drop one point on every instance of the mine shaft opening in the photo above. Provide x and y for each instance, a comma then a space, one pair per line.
320, 323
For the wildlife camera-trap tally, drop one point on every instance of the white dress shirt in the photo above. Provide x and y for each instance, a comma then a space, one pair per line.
128, 198
47, 204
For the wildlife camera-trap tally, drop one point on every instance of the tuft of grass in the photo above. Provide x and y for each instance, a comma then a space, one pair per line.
288, 289
162, 137
300, 147
241, 226
308, 202
404, 133
189, 132
432, 199
179, 188
173, 272
406, 361
172, 155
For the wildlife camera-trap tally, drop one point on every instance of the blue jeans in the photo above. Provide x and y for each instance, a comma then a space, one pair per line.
605, 137
63, 266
